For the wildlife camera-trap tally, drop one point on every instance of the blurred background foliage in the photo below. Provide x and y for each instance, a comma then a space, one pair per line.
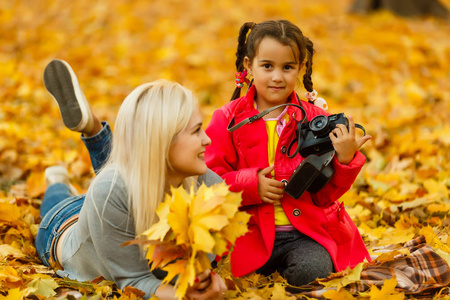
390, 73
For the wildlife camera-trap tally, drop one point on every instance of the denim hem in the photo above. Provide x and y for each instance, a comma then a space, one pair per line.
105, 131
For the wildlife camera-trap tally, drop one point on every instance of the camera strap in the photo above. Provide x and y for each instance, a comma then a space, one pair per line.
360, 127
231, 127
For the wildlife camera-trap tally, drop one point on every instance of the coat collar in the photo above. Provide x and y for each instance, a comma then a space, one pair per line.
246, 107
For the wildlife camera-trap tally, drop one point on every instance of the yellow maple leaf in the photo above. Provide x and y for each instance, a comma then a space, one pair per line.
429, 234
201, 238
436, 208
397, 236
444, 254
13, 294
221, 243
182, 267
9, 278
9, 212
36, 184
345, 277
162, 255
237, 227
178, 217
341, 294
387, 291
186, 278
43, 285
279, 293
390, 255
159, 230
206, 201
132, 293
434, 186
191, 225
213, 222
8, 250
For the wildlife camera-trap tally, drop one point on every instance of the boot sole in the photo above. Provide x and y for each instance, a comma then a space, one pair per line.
62, 84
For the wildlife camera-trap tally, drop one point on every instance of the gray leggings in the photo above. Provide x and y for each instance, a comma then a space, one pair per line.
298, 258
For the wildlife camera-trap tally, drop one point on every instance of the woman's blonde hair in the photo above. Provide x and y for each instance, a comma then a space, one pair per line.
148, 121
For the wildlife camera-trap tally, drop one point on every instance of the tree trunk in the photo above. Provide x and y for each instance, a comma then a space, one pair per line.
404, 8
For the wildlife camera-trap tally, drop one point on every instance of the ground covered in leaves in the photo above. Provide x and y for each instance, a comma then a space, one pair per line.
391, 74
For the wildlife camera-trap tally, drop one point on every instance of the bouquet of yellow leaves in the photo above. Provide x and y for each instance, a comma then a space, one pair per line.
190, 226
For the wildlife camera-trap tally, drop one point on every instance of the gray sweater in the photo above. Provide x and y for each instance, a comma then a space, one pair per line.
92, 248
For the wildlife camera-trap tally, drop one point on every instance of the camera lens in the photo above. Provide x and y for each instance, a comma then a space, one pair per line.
319, 125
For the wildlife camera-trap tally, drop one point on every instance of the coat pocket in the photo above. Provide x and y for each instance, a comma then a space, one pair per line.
338, 223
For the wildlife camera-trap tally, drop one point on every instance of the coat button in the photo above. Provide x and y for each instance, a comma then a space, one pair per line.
296, 212
283, 149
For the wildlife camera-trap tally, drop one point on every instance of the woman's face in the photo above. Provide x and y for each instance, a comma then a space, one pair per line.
187, 152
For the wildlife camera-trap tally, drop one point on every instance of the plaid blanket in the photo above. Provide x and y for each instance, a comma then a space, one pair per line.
422, 272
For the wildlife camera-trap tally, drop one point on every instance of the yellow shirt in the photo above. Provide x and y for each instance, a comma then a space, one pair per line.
271, 126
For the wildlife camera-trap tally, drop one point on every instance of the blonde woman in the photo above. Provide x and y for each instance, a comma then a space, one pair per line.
158, 142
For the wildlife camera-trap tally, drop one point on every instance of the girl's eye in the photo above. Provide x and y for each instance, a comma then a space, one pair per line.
288, 67
266, 66
197, 130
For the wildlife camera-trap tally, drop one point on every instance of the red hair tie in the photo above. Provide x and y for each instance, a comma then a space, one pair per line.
241, 77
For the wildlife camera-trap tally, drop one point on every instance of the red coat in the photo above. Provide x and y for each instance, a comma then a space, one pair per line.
238, 156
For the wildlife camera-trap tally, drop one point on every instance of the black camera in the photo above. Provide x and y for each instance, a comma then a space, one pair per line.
311, 175
313, 143
315, 139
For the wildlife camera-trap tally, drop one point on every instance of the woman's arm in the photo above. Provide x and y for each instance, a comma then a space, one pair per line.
110, 226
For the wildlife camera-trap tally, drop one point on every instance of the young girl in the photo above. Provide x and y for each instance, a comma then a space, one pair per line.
158, 143
302, 239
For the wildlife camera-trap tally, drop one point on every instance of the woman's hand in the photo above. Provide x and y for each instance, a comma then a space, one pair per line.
345, 143
208, 286
269, 190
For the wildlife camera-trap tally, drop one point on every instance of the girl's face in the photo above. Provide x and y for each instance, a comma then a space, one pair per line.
187, 152
275, 71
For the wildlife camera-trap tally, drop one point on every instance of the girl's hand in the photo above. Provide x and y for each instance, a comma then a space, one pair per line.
209, 285
345, 143
269, 190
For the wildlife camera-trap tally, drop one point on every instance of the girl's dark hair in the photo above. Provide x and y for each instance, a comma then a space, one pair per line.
282, 31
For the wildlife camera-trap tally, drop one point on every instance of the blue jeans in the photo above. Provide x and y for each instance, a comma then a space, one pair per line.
59, 205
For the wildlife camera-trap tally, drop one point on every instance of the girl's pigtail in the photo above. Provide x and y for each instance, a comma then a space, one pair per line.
311, 94
307, 81
240, 53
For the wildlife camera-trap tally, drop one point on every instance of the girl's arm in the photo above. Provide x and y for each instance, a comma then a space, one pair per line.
221, 157
347, 163
340, 183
